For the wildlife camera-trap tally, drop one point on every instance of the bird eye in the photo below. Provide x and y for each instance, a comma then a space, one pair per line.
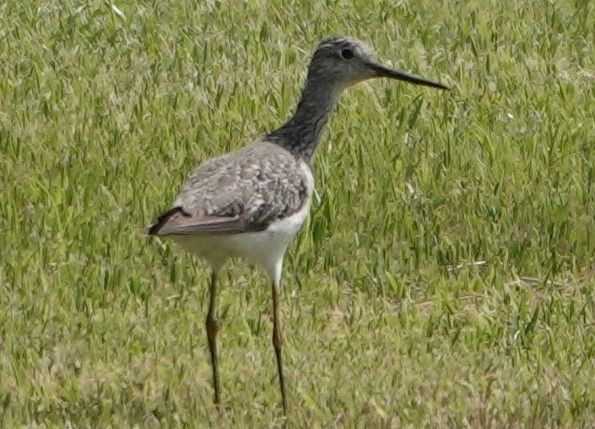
347, 54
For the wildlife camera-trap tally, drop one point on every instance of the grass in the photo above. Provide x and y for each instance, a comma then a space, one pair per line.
446, 275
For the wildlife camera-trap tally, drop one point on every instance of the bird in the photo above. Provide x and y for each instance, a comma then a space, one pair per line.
249, 203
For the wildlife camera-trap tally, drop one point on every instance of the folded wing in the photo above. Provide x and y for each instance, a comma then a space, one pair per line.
243, 191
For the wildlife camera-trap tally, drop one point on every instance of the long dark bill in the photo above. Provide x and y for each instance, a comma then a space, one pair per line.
393, 74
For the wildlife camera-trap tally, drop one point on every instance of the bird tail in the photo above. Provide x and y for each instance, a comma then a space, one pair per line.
154, 228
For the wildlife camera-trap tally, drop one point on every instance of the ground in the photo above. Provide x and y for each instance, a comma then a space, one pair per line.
445, 277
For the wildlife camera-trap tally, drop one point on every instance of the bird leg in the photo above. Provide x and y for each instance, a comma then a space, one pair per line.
212, 328
277, 343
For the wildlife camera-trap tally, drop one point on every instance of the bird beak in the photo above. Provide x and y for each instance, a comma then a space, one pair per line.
381, 71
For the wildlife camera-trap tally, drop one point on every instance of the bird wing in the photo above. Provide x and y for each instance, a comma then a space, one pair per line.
177, 222
243, 191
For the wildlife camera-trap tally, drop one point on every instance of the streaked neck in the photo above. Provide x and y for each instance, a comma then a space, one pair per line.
301, 134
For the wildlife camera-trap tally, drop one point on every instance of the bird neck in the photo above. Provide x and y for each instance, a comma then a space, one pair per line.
301, 134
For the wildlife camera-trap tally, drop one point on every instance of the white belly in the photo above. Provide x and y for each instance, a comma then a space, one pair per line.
264, 248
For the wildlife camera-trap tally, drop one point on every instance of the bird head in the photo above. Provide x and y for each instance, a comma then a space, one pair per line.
344, 61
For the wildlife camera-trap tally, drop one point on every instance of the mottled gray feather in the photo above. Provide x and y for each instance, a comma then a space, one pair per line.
241, 191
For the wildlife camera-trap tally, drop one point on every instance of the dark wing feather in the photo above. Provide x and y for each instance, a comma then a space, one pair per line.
177, 222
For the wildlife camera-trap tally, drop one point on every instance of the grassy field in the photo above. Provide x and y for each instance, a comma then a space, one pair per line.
446, 276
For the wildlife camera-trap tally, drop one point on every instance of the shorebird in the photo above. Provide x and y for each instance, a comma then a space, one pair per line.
251, 202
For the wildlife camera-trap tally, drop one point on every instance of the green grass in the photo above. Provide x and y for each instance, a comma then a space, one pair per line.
389, 320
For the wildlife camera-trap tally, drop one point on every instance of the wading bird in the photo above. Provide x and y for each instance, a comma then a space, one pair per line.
251, 202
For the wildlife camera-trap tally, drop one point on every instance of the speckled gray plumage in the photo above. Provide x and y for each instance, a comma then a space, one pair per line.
257, 185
